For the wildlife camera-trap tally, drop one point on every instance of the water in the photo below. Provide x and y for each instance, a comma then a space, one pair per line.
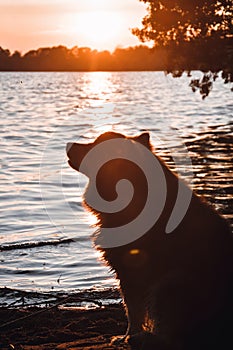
44, 231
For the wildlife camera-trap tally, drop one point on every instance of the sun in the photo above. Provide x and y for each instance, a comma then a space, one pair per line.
99, 29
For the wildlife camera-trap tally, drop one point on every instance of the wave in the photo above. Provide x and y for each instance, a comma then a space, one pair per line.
28, 245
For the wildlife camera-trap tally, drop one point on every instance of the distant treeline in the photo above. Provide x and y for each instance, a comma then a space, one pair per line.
206, 55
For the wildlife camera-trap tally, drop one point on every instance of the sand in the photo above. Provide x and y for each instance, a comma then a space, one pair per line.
55, 328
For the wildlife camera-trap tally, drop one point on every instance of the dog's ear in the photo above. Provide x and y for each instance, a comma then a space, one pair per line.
144, 139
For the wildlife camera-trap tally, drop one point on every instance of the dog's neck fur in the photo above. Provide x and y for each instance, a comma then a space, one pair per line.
140, 196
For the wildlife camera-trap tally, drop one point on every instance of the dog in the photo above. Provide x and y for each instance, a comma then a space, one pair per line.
177, 287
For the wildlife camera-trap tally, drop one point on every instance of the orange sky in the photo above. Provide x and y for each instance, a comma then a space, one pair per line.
100, 24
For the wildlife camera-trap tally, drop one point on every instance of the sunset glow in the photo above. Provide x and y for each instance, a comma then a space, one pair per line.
99, 24
98, 28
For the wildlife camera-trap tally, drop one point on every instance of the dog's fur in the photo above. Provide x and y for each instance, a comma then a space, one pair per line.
177, 286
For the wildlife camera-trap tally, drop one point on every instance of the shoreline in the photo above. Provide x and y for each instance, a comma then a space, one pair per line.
49, 321
56, 328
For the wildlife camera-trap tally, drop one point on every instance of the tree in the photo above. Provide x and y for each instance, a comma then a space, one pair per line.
4, 58
198, 34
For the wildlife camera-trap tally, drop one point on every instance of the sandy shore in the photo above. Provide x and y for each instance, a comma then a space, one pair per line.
57, 320
55, 328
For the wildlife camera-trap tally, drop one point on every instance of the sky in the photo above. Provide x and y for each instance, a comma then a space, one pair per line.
99, 24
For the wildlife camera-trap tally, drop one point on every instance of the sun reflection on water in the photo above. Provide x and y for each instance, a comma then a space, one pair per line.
98, 86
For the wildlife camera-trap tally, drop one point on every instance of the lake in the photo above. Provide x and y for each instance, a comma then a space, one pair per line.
44, 231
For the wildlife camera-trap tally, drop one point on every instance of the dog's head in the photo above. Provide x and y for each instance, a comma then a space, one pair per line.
112, 157
77, 152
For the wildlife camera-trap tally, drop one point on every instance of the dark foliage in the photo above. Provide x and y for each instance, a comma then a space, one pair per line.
203, 26
60, 58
